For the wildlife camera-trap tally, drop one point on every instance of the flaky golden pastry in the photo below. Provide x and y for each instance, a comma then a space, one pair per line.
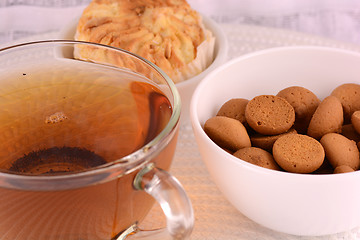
166, 32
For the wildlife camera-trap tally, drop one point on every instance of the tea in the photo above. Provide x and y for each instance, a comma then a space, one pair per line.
56, 160
67, 111
71, 116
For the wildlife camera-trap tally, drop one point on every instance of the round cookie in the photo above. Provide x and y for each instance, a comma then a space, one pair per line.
298, 153
258, 157
227, 132
234, 108
340, 151
303, 100
349, 96
269, 114
355, 121
266, 142
304, 103
328, 117
343, 169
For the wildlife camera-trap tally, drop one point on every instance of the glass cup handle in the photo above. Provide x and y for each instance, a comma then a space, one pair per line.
173, 200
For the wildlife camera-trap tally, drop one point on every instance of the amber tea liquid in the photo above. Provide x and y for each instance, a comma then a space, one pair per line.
69, 118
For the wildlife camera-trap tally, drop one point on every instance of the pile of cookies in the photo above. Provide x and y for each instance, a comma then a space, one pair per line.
293, 130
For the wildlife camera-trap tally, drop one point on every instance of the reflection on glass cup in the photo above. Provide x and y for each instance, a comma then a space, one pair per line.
86, 145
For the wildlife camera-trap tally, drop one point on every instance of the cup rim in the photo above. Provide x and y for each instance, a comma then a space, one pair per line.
128, 163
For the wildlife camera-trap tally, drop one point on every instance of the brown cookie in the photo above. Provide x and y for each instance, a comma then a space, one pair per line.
349, 131
343, 169
328, 117
325, 168
258, 157
298, 153
269, 114
349, 96
340, 151
228, 151
355, 121
234, 108
227, 132
266, 142
304, 103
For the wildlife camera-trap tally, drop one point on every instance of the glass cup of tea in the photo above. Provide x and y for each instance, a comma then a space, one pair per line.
87, 133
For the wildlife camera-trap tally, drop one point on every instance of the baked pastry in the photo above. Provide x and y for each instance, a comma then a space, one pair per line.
298, 153
234, 108
269, 114
304, 103
328, 118
227, 132
168, 33
343, 169
258, 157
349, 96
349, 132
266, 142
340, 150
355, 120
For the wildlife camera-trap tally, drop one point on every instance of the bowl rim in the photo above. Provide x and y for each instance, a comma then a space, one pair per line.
197, 128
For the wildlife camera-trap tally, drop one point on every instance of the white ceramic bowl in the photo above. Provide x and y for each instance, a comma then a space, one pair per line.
300, 204
187, 87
